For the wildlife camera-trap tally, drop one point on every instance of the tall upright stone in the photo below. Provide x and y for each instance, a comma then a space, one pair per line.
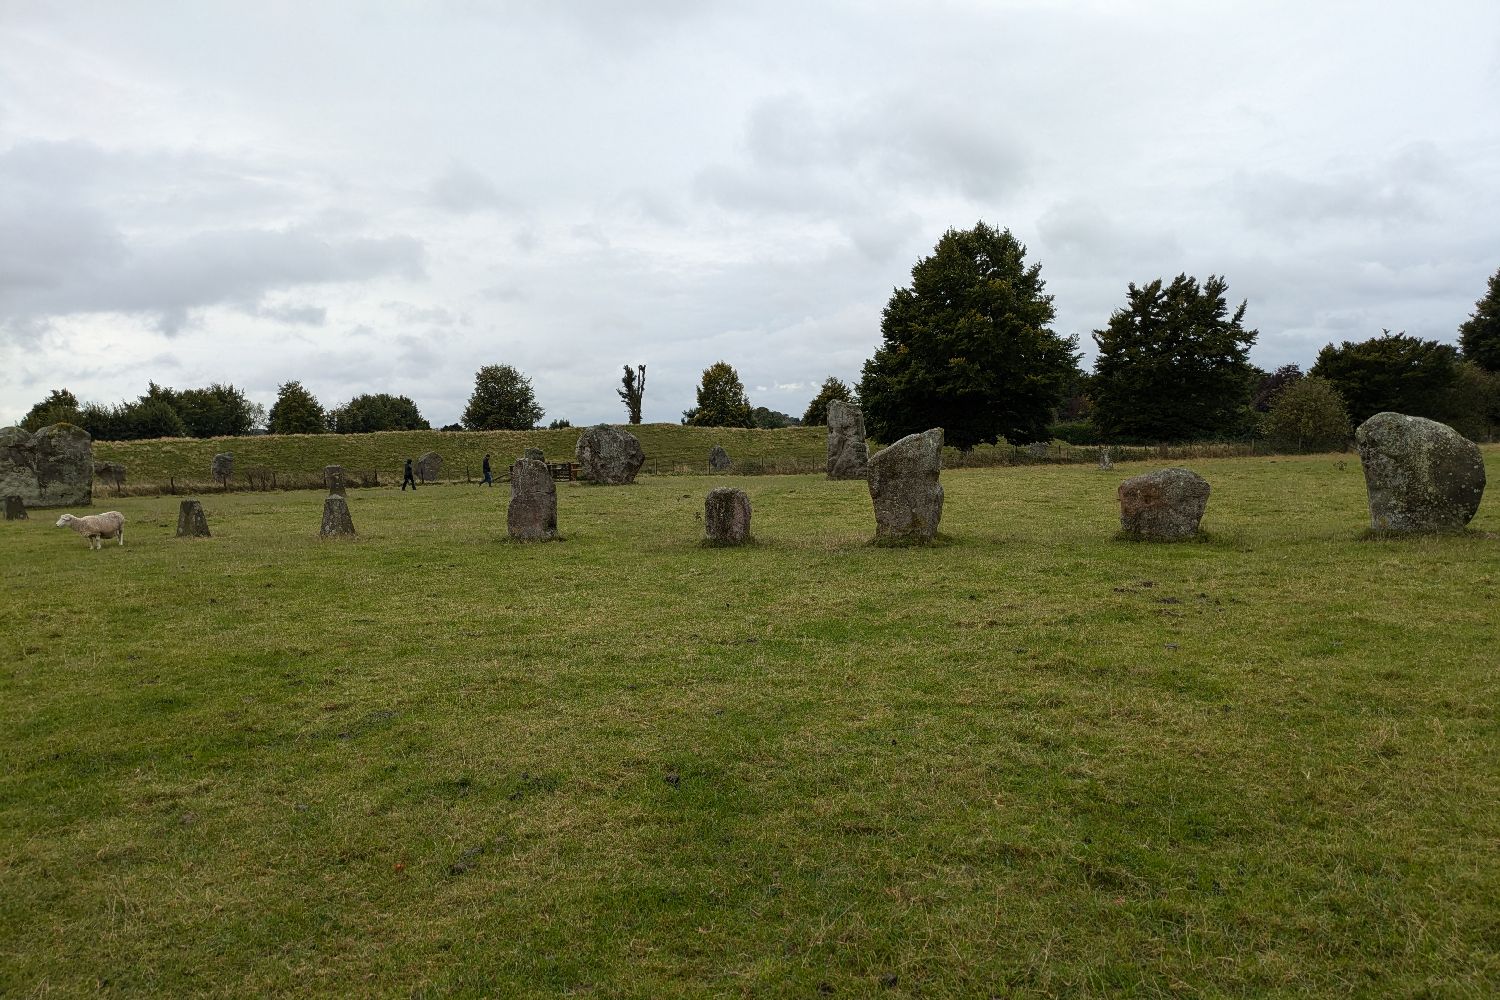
726, 517
1162, 506
336, 520
15, 509
429, 466
333, 478
848, 455
719, 460
223, 468
1420, 475
52, 468
609, 455
191, 521
532, 514
904, 486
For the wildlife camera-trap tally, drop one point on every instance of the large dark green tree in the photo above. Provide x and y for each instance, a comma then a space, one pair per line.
968, 347
296, 411
502, 401
1391, 372
60, 407
817, 410
378, 411
215, 411
1174, 365
721, 399
1479, 335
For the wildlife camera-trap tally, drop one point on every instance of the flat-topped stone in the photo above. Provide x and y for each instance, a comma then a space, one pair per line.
52, 468
1162, 506
337, 523
726, 517
532, 514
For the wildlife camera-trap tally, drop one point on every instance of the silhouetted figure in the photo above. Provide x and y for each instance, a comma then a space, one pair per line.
488, 480
407, 477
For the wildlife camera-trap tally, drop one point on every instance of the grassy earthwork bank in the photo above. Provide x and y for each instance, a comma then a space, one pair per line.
1027, 761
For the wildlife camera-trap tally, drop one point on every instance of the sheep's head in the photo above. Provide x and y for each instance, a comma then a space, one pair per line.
65, 520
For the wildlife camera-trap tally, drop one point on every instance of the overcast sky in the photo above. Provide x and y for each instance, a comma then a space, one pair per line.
382, 197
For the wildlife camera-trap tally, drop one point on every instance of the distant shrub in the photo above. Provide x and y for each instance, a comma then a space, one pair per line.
1075, 432
1308, 415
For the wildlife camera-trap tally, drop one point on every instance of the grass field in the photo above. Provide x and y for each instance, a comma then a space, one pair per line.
1029, 761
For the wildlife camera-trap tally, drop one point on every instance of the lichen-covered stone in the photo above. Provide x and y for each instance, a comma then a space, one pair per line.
609, 455
52, 468
726, 517
848, 455
904, 486
535, 453
191, 521
1163, 506
1420, 475
429, 466
15, 509
223, 467
336, 520
718, 459
532, 515
333, 478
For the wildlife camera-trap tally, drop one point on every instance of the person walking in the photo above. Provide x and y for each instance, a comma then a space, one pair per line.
487, 481
407, 477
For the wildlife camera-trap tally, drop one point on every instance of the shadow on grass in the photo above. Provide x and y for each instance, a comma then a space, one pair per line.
938, 541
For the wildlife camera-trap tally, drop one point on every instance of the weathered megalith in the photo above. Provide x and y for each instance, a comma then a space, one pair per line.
1162, 506
718, 459
15, 509
191, 522
111, 473
429, 466
535, 453
1420, 475
848, 457
333, 478
726, 517
532, 515
223, 468
904, 485
609, 455
52, 468
1106, 464
336, 520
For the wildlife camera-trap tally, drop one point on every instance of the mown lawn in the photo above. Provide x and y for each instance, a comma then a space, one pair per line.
1030, 761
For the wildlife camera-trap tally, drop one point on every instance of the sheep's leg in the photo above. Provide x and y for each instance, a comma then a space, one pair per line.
122, 536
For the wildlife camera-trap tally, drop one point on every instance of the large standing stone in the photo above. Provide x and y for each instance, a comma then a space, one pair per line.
333, 478
1162, 506
535, 453
336, 519
52, 468
718, 459
904, 485
15, 509
191, 522
848, 457
429, 466
609, 455
1421, 475
223, 468
532, 515
726, 517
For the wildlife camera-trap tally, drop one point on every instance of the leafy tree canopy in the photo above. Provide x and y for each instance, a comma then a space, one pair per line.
1308, 415
1390, 372
60, 406
768, 419
721, 399
215, 411
1479, 335
296, 411
502, 401
968, 347
379, 411
632, 390
816, 414
1173, 364
1273, 384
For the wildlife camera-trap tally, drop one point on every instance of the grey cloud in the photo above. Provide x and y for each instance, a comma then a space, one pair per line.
1405, 188
463, 189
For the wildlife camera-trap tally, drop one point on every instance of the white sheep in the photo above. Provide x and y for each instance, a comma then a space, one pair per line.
95, 527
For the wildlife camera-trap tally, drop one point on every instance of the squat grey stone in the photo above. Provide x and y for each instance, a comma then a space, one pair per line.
15, 509
726, 517
535, 453
429, 466
191, 522
223, 467
336, 520
1420, 475
718, 459
52, 468
1163, 506
112, 473
609, 455
848, 455
532, 515
333, 478
904, 486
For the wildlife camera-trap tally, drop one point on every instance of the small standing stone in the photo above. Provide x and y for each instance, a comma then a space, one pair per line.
536, 454
112, 473
336, 520
333, 478
718, 459
15, 509
429, 466
609, 455
726, 517
1420, 475
1037, 449
848, 456
191, 522
532, 515
904, 486
1105, 463
223, 468
1163, 506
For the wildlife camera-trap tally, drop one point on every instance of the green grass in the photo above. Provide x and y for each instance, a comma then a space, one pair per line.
1031, 761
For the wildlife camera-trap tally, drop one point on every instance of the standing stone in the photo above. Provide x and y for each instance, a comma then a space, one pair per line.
336, 519
428, 466
223, 468
112, 473
609, 455
532, 515
726, 517
718, 459
535, 453
15, 509
333, 478
191, 523
1162, 506
848, 457
904, 485
1037, 449
1421, 475
52, 468
1105, 462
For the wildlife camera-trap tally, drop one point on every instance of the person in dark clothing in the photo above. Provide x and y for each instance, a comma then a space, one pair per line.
407, 477
487, 481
